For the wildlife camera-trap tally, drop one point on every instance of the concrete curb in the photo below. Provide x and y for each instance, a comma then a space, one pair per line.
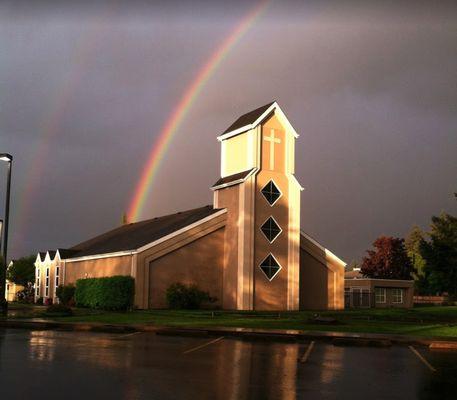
337, 338
443, 345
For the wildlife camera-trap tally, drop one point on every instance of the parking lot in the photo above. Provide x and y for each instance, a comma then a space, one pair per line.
74, 365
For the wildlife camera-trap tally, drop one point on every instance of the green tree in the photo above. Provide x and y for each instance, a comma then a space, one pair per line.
413, 245
22, 272
440, 255
389, 260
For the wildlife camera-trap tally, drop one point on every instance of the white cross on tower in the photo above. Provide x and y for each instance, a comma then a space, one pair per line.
272, 141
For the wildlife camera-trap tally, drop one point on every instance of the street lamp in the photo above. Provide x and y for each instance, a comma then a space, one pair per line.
3, 303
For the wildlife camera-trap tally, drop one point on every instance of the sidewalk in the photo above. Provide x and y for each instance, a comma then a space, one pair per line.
337, 338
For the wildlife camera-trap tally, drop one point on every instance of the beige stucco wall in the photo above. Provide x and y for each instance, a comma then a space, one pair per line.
229, 198
237, 153
199, 262
97, 268
281, 293
271, 294
314, 281
321, 279
142, 260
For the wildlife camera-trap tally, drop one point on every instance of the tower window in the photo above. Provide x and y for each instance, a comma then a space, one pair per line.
270, 229
271, 193
270, 267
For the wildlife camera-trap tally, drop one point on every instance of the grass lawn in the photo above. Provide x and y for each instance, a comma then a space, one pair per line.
419, 321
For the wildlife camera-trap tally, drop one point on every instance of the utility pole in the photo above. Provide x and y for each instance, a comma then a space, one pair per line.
3, 303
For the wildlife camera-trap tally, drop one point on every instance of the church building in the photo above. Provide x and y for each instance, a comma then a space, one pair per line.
247, 249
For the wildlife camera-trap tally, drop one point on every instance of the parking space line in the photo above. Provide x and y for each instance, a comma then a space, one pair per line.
130, 334
421, 357
203, 345
307, 352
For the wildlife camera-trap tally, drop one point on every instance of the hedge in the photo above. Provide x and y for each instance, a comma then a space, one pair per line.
111, 293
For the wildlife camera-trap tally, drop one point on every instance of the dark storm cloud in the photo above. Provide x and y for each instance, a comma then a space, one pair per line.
370, 87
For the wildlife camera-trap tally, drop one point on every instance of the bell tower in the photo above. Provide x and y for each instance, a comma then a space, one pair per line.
262, 195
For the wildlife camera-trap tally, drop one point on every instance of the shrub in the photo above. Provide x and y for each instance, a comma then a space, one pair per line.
66, 294
26, 295
47, 301
190, 297
60, 309
111, 293
39, 301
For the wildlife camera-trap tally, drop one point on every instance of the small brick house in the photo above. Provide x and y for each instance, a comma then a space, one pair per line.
360, 292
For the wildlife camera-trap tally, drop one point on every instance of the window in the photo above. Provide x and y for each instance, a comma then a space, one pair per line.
361, 297
380, 295
397, 296
271, 193
270, 229
37, 283
57, 279
270, 267
46, 289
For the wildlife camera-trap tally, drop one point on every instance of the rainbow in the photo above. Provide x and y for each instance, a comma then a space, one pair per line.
51, 124
162, 143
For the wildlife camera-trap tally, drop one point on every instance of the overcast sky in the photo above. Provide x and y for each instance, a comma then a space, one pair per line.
85, 88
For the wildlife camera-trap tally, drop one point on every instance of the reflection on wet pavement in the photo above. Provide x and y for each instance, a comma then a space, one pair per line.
72, 365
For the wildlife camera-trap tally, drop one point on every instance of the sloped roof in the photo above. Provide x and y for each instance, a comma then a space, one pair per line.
232, 179
248, 118
255, 117
304, 237
66, 253
135, 235
42, 255
52, 254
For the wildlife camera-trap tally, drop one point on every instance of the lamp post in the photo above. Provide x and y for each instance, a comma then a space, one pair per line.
3, 303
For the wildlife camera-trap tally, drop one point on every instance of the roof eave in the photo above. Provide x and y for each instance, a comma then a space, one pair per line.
327, 252
236, 182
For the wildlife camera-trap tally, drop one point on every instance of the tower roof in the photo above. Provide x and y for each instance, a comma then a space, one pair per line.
253, 118
248, 118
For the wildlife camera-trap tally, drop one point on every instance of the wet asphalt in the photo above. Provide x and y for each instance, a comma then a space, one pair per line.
79, 365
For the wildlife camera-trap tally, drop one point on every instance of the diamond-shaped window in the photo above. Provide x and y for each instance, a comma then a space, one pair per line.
271, 193
271, 229
270, 267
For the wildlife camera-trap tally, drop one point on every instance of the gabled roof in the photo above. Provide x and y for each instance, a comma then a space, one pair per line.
233, 179
248, 118
253, 118
42, 255
52, 254
133, 236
